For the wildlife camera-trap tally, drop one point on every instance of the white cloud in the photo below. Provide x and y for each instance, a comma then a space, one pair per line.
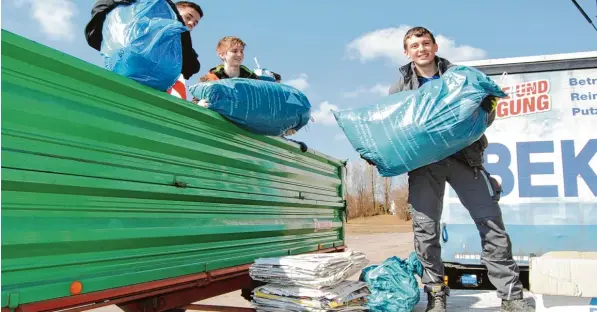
55, 17
355, 93
300, 82
378, 89
340, 137
387, 43
324, 114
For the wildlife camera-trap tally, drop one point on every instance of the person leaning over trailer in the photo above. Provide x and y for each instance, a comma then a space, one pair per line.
187, 12
231, 51
478, 191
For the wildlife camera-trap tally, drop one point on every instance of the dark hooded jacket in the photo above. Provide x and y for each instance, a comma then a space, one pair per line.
408, 80
218, 73
101, 8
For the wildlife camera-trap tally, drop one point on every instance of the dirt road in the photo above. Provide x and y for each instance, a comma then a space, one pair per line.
378, 224
379, 238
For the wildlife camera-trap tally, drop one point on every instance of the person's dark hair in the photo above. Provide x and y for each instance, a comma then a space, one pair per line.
277, 76
192, 5
417, 32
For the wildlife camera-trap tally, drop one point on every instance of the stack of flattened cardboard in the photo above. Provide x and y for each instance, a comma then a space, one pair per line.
311, 282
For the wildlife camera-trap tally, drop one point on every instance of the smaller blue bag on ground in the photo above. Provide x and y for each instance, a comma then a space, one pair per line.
393, 284
261, 107
141, 41
411, 129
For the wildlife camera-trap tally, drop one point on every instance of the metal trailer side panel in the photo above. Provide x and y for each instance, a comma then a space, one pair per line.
111, 183
542, 148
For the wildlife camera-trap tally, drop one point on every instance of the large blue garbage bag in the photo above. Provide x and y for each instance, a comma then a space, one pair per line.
142, 41
411, 129
393, 284
261, 107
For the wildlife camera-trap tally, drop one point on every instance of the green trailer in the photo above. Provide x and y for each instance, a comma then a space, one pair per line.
115, 193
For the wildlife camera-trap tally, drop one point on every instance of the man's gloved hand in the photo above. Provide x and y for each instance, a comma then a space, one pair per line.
489, 103
368, 161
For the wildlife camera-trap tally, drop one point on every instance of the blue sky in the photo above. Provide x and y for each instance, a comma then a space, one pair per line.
342, 54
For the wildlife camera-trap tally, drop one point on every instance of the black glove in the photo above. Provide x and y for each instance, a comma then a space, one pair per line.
489, 103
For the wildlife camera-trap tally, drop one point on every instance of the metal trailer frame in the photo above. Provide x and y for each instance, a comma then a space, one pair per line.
163, 295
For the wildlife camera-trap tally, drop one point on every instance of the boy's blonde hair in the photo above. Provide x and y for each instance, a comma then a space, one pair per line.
227, 42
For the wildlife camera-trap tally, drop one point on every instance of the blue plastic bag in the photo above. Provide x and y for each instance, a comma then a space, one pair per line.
393, 284
410, 129
141, 41
258, 106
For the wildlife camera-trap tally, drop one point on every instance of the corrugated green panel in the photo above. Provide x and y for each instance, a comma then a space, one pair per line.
112, 183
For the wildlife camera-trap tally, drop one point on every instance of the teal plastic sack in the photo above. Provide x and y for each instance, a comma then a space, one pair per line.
410, 129
258, 106
393, 284
141, 41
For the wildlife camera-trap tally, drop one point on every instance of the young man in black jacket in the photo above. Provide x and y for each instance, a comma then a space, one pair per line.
478, 192
187, 12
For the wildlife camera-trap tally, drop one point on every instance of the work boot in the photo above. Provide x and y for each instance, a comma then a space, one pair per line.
436, 297
516, 305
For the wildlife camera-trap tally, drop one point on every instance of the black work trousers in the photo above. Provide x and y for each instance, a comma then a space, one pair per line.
479, 194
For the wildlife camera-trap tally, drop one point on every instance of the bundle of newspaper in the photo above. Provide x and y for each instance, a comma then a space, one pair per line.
309, 270
345, 296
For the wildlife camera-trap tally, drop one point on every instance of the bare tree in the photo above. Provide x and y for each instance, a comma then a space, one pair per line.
357, 189
361, 182
400, 198
387, 192
368, 194
373, 177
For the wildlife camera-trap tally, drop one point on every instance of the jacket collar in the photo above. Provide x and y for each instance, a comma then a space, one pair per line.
408, 71
221, 73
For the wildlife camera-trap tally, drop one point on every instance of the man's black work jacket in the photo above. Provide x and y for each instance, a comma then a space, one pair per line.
101, 8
